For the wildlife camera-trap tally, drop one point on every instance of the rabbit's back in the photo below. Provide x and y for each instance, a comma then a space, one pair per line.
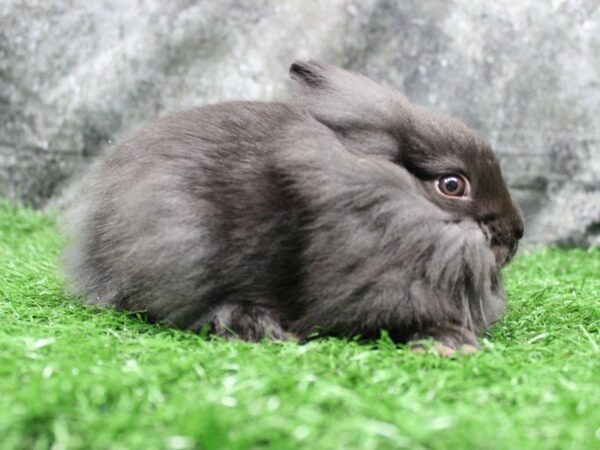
191, 211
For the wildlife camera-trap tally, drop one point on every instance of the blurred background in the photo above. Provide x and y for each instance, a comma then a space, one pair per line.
77, 75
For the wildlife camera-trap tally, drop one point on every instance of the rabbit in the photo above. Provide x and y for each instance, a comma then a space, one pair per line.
345, 211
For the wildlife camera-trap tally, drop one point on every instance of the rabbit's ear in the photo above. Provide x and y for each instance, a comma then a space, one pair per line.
364, 114
315, 75
309, 73
342, 99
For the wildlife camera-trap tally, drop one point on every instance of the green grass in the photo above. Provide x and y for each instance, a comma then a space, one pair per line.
76, 377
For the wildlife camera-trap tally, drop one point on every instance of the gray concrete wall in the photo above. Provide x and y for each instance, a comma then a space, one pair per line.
75, 75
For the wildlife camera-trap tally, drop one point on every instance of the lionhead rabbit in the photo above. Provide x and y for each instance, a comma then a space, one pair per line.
346, 212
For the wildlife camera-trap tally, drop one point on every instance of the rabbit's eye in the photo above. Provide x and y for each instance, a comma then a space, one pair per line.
452, 185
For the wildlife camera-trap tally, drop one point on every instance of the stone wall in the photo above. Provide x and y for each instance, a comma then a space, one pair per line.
75, 75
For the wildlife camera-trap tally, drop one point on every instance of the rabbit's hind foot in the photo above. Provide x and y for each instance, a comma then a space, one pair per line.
248, 322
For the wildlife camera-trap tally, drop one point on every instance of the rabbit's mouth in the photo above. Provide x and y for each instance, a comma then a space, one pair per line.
503, 253
503, 245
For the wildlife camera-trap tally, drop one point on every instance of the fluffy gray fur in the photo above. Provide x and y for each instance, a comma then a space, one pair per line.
281, 220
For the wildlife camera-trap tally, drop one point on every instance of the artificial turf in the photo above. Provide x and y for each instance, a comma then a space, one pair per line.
76, 377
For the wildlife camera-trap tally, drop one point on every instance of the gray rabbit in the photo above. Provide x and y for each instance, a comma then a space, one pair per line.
346, 212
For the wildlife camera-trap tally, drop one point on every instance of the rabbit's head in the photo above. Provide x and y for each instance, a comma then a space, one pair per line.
454, 168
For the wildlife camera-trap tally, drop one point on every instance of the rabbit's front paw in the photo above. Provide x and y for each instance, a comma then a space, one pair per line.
448, 339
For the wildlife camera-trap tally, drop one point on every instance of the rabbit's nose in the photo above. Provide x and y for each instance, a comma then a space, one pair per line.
518, 230
518, 224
